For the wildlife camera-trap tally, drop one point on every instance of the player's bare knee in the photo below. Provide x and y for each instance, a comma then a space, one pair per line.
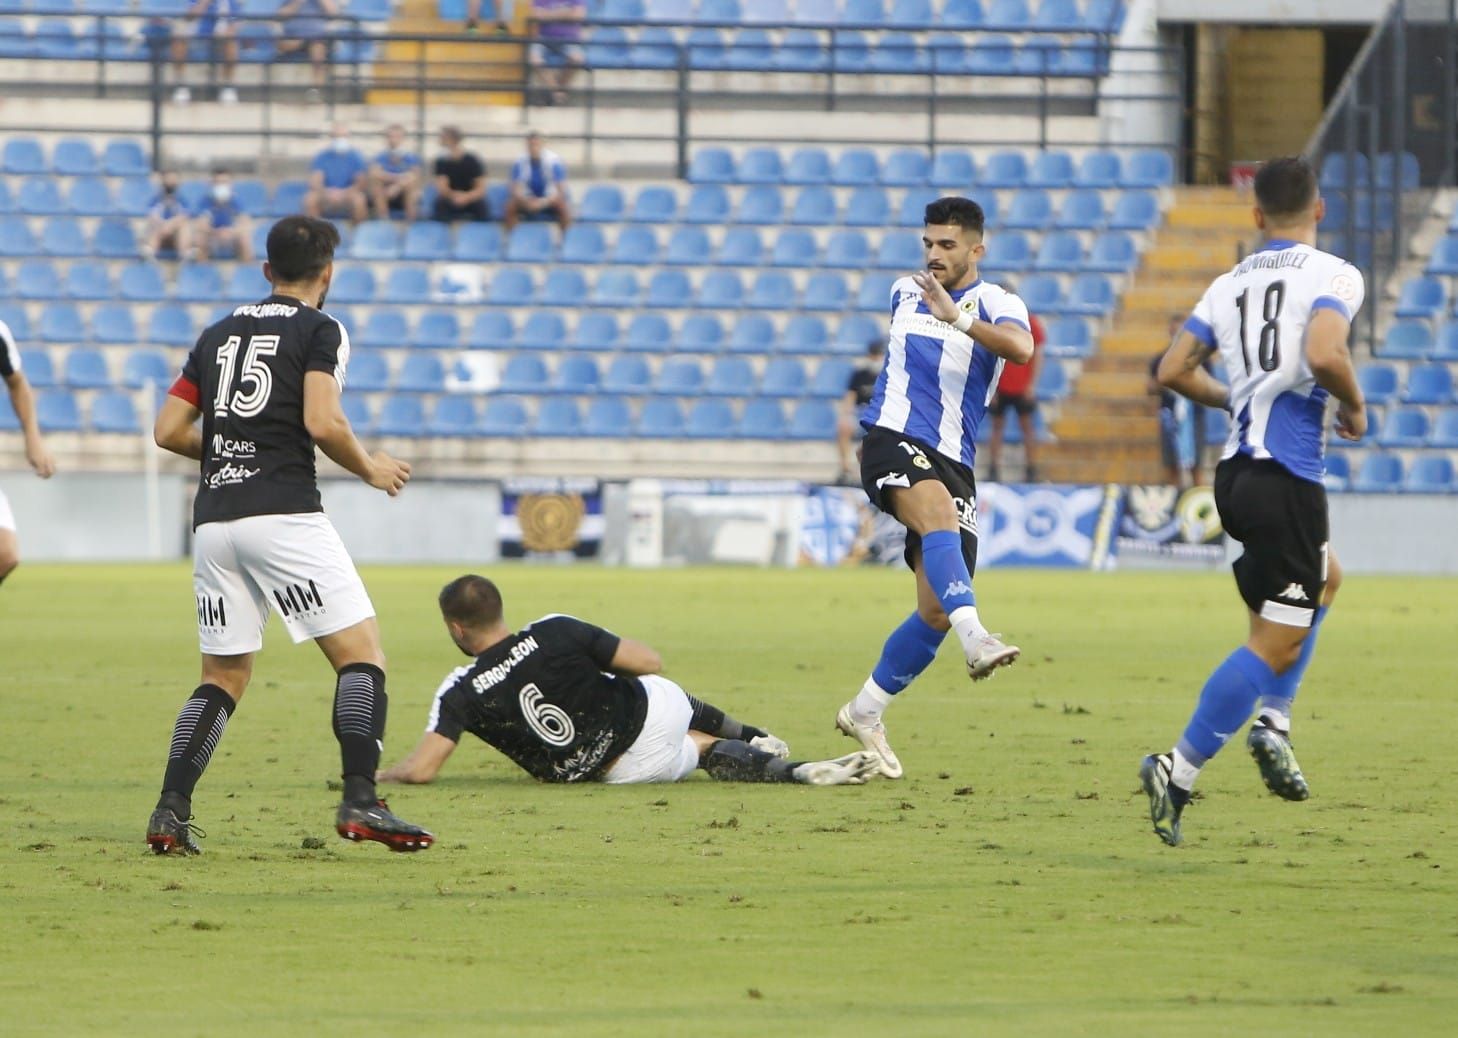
1333, 580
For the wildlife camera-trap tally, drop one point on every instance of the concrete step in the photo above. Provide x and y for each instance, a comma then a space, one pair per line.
1118, 385
1105, 429
1163, 297
1089, 407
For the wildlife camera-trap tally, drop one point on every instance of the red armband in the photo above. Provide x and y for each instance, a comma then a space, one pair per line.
185, 389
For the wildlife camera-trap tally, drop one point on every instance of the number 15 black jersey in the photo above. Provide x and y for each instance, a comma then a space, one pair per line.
246, 375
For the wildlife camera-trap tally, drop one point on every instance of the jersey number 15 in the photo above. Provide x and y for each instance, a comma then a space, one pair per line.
1268, 348
255, 381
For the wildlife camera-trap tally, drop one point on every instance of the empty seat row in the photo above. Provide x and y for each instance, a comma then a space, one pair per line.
1012, 15
60, 411
87, 368
1381, 473
361, 10
951, 169
135, 282
1430, 383
1338, 171
75, 157
1409, 426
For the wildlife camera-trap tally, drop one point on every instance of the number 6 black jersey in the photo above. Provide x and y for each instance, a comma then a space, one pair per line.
246, 375
1256, 316
543, 698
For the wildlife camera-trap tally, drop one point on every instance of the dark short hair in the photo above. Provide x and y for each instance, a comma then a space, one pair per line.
300, 247
963, 212
1285, 186
452, 132
876, 345
471, 601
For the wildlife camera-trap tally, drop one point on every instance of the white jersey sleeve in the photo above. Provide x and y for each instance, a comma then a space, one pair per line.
9, 352
1002, 307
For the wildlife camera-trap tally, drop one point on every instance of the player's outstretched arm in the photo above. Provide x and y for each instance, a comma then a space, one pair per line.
23, 400
327, 425
1183, 369
1006, 340
636, 659
176, 428
424, 762
1331, 365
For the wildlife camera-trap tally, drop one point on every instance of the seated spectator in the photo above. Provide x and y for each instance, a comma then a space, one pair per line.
216, 28
337, 180
538, 188
859, 388
395, 177
168, 228
504, 10
460, 181
556, 53
222, 226
306, 30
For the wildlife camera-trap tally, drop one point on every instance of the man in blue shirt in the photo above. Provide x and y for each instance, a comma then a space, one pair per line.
222, 225
217, 29
950, 334
395, 177
337, 180
538, 186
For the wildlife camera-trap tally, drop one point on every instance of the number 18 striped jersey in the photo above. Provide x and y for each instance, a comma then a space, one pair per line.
1256, 317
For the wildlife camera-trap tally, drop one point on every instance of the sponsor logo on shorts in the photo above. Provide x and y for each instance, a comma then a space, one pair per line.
966, 513
230, 476
210, 612
294, 599
585, 759
1295, 592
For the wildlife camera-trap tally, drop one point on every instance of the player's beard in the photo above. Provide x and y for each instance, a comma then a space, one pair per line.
950, 274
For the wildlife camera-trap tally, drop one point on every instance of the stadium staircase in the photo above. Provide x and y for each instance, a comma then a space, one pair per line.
1106, 431
470, 61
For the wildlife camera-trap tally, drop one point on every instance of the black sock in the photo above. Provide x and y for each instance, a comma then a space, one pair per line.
710, 720
199, 727
359, 725
733, 760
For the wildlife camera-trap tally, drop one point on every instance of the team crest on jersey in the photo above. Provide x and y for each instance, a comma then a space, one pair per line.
1344, 288
921, 461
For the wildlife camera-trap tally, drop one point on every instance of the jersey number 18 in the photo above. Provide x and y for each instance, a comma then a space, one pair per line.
256, 380
1268, 349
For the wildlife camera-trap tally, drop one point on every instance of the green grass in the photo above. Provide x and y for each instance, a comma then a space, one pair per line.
1009, 885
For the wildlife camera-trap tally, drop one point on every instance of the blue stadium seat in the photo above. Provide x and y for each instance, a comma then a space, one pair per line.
711, 166
1067, 337
16, 320
1379, 382
597, 332
15, 42
406, 283
1004, 169
142, 283
1099, 169
795, 247
7, 203
911, 14
1429, 384
706, 49
1445, 429
661, 419
525, 373
89, 196
602, 203
124, 157
709, 203
1444, 259
808, 167
1411, 340
913, 209
542, 330
40, 372
1430, 474
510, 286
491, 330
1135, 211
668, 289
907, 167
359, 413
1082, 209
85, 368
700, 333
762, 204
1042, 293
812, 420
1060, 251
246, 282
826, 290
680, 376
369, 371
607, 47
783, 377
386, 329
1404, 427
23, 155
1091, 295
16, 238
1338, 473
849, 250
814, 12
583, 243
626, 374
376, 240
615, 288
1148, 169
134, 196
37, 279
867, 207
113, 323
654, 48
815, 206
1424, 297
635, 245
198, 283
1053, 383
689, 246
962, 14
656, 205
288, 197
801, 50
477, 243
1009, 15
1031, 210
1103, 15
74, 157
647, 333
427, 240
708, 419
57, 411
804, 334
557, 417
1384, 171
576, 375
61, 322
952, 170
875, 293
992, 55
771, 290
753, 333
720, 290
830, 379
564, 287
608, 416
760, 166
39, 196
730, 376
1336, 175
763, 419
764, 12
856, 167
115, 412
1379, 474
1113, 252
1006, 252
421, 373
402, 414
438, 330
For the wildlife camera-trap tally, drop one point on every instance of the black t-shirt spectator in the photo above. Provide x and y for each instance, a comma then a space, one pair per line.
863, 385
461, 173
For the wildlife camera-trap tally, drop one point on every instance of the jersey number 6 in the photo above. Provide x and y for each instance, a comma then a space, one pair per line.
549, 721
256, 376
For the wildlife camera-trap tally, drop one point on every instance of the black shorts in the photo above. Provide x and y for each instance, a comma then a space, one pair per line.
1280, 520
1023, 403
889, 459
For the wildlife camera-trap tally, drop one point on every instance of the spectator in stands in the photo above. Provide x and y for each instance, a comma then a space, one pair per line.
395, 177
538, 186
1017, 388
848, 431
504, 11
460, 181
1177, 442
222, 225
556, 50
169, 226
337, 179
305, 30
216, 28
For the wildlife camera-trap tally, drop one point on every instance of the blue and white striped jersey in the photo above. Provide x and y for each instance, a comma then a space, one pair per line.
937, 382
1256, 316
9, 352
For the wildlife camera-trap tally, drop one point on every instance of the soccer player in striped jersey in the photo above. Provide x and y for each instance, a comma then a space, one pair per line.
23, 400
951, 332
1279, 320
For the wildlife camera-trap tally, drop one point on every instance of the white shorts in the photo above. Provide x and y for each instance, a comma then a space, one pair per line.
295, 564
663, 751
7, 517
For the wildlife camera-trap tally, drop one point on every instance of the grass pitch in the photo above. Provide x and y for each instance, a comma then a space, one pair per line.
1009, 885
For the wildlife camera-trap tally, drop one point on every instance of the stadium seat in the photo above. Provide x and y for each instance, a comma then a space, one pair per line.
1060, 251
123, 157
1338, 474
115, 412
491, 330
830, 379
720, 290
74, 157
1445, 429
815, 12
134, 197
438, 330
1410, 340
85, 368
615, 288
510, 286
525, 373
531, 243
1404, 427
647, 333
1053, 383
565, 287
1444, 259
602, 203
402, 414
369, 371
867, 207
760, 166
654, 48
869, 14
1100, 170
952, 171
40, 372
814, 206
1135, 211
679, 377
1113, 252
1430, 474
1336, 174
198, 283
1042, 294
288, 197
37, 279
804, 334
851, 250
61, 322
706, 49
1424, 297
1031, 210
1067, 337
1429, 384
1385, 167
783, 377
142, 283
584, 243
1006, 252
875, 293
753, 333
762, 204
826, 290
654, 204
1379, 474
376, 240
1083, 210
855, 167
771, 290
427, 240
57, 411
1051, 170
707, 204
669, 289
1148, 169
795, 247
637, 246
661, 419
63, 236
421, 373
576, 375
708, 419
89, 196
556, 417
711, 166
991, 55
850, 51
730, 376
247, 282
626, 374
700, 333
113, 324
1091, 295
812, 420
16, 320
898, 53
608, 416
607, 47
689, 246
763, 419
406, 283
39, 196
23, 155
477, 243
1379, 382
386, 329
808, 167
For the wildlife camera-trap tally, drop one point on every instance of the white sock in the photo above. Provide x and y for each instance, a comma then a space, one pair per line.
1277, 719
1183, 774
968, 627
870, 702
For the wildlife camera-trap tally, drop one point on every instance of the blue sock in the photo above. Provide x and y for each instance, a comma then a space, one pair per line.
1286, 684
1226, 702
907, 653
946, 569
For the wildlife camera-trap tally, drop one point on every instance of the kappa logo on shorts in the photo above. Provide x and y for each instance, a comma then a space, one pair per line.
295, 598
210, 612
1295, 592
893, 479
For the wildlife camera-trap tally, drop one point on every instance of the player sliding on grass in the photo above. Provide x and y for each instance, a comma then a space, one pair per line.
1280, 321
266, 382
570, 702
951, 333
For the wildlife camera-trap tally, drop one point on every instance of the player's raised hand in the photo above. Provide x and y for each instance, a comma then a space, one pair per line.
388, 474
937, 300
1351, 422
40, 459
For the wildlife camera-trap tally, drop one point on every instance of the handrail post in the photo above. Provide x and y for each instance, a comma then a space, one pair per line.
683, 112
155, 44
